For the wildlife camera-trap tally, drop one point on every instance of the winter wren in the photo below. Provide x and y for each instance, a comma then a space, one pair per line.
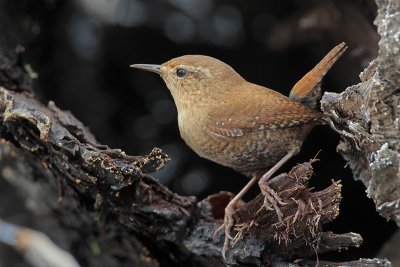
241, 125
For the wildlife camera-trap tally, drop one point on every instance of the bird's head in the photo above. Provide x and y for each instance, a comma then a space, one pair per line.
195, 77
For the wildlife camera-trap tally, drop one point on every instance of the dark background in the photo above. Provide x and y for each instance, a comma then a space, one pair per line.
81, 52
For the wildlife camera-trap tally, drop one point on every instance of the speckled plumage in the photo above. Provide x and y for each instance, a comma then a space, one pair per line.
226, 119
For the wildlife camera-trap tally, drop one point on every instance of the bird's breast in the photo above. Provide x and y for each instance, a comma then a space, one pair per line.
189, 128
193, 132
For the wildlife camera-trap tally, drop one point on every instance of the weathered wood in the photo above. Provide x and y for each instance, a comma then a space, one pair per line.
105, 196
367, 116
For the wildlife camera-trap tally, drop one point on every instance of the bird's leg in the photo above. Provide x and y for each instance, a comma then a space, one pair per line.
271, 198
230, 208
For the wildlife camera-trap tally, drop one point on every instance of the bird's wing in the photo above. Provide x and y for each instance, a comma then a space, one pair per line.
251, 111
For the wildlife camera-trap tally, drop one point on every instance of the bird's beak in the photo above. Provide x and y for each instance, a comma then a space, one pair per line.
147, 67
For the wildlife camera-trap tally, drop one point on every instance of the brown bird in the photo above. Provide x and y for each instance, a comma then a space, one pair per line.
241, 125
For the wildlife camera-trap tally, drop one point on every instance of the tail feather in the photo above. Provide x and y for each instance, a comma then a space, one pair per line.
307, 90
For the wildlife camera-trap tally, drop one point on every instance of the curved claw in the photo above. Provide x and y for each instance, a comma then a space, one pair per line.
272, 200
268, 203
281, 203
227, 226
278, 200
228, 223
225, 247
219, 230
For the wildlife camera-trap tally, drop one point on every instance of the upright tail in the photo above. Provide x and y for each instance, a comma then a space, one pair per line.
307, 90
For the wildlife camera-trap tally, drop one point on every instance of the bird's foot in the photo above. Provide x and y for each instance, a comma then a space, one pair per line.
227, 227
272, 201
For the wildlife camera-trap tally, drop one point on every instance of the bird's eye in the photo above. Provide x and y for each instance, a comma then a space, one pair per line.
181, 72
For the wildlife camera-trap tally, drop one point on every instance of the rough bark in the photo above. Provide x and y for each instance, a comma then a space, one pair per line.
367, 116
104, 197
111, 213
